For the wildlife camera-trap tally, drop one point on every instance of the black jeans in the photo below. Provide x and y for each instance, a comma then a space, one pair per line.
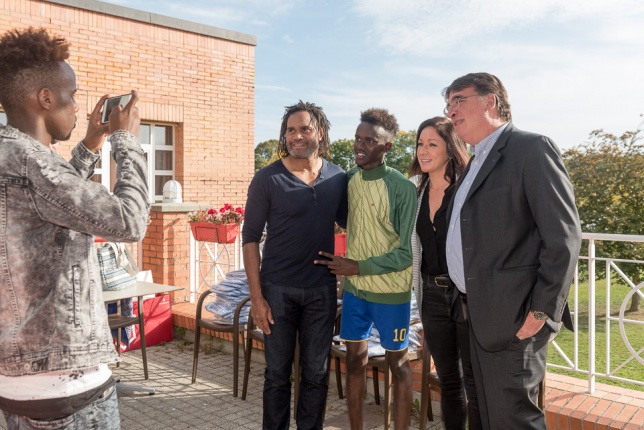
447, 337
309, 314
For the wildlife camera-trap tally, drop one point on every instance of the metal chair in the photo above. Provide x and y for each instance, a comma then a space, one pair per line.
236, 329
378, 363
428, 380
118, 321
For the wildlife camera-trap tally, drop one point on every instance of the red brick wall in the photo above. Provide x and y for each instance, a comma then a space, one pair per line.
203, 84
166, 251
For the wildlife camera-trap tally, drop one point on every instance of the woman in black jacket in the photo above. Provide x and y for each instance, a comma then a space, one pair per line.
440, 158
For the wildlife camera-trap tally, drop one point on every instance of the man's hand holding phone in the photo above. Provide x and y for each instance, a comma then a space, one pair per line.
125, 118
108, 116
96, 130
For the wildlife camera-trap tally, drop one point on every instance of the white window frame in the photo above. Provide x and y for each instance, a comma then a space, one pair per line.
107, 169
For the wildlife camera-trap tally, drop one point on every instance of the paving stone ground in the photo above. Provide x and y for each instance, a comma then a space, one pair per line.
209, 403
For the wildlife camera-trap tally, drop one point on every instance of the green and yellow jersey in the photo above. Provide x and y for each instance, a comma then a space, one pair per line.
382, 209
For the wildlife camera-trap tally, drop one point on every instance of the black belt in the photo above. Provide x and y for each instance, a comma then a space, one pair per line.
442, 281
58, 408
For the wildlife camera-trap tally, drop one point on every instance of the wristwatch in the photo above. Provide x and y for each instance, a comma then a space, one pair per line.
540, 316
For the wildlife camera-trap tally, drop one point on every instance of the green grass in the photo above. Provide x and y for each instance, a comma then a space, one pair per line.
618, 350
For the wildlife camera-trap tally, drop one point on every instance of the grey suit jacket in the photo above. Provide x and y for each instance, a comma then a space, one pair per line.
520, 235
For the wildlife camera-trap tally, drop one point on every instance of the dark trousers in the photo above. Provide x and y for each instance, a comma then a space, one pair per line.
447, 337
507, 382
309, 314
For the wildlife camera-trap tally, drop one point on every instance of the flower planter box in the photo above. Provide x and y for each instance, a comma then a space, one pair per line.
340, 244
220, 233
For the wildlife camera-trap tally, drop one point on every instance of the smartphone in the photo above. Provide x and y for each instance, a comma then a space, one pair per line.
111, 103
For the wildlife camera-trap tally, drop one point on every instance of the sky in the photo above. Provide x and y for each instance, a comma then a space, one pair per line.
569, 66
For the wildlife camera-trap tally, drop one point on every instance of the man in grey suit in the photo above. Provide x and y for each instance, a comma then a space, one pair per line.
512, 246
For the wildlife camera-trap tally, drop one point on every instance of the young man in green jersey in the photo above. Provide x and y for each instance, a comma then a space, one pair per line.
377, 287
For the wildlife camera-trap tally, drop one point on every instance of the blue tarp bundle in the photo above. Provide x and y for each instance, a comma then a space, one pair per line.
227, 295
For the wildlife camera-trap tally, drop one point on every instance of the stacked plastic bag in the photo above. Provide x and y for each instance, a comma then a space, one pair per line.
227, 295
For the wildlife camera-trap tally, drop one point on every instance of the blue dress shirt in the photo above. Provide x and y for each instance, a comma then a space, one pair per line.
454, 246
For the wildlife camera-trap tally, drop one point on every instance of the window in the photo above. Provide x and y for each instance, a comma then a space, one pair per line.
157, 140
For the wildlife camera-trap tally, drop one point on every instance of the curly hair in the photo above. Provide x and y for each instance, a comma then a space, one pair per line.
456, 151
29, 59
380, 117
484, 84
318, 120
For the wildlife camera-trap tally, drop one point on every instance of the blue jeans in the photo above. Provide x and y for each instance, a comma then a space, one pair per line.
309, 314
447, 337
102, 414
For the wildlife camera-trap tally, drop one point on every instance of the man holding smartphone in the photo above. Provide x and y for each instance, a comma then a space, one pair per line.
55, 342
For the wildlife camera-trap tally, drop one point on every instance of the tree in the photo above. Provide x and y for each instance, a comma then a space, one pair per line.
607, 174
265, 153
402, 151
341, 153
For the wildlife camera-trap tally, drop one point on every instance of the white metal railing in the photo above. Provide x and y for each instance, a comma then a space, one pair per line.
210, 261
612, 267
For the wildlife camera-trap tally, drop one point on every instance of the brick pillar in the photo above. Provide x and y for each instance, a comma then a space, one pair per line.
166, 247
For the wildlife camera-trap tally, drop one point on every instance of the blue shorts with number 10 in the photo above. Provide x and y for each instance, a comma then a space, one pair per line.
359, 316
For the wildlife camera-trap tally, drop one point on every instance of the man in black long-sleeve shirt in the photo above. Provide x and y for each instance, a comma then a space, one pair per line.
298, 198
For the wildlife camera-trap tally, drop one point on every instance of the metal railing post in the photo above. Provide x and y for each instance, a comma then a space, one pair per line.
193, 270
591, 316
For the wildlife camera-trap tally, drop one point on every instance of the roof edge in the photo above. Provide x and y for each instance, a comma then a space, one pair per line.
156, 19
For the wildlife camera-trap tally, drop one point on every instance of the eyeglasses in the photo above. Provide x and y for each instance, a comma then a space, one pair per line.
456, 102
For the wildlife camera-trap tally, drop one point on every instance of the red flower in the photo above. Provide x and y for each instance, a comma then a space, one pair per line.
228, 214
